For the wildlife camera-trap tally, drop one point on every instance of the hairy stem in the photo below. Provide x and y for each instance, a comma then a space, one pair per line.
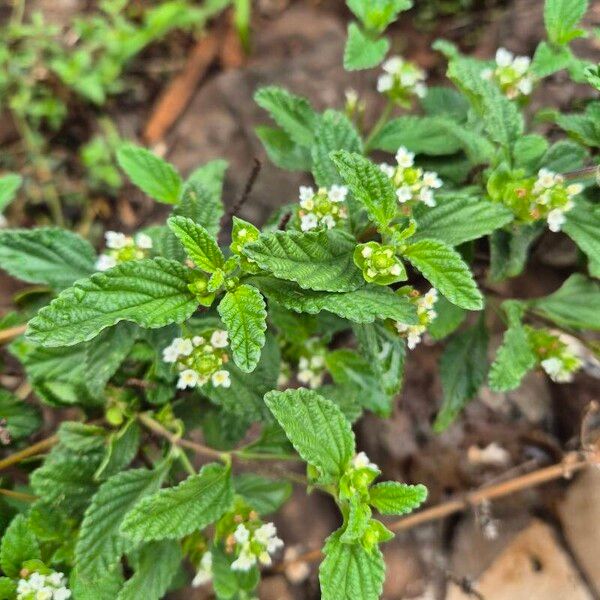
33, 450
383, 119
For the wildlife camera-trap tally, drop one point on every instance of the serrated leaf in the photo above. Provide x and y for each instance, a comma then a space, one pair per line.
47, 255
18, 545
377, 14
575, 304
282, 150
242, 310
361, 306
514, 359
393, 498
22, 419
549, 59
334, 132
463, 367
8, 588
292, 113
100, 544
81, 437
262, 494
358, 520
448, 318
447, 271
122, 447
316, 427
509, 250
529, 151
154, 570
583, 227
175, 512
461, 219
363, 51
153, 175
150, 292
103, 587
9, 186
445, 102
561, 17
316, 260
199, 245
564, 156
350, 572
369, 185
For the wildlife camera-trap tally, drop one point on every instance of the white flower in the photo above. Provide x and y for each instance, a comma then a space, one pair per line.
574, 189
105, 262
62, 593
241, 535
525, 86
426, 196
404, 158
431, 179
116, 240
219, 338
404, 194
317, 361
385, 83
305, 376
328, 221
221, 379
205, 572
387, 169
143, 241
556, 219
556, 370
338, 193
187, 378
198, 340
37, 581
56, 579
414, 337
307, 204
308, 222
183, 346
395, 270
393, 65
521, 64
170, 354
504, 58
429, 299
306, 192
244, 562
361, 461
366, 252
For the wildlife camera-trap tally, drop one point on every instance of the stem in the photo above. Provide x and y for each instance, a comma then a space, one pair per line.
28, 452
18, 495
185, 462
383, 119
8, 335
585, 173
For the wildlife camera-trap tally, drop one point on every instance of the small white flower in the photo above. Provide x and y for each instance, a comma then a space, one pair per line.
244, 562
556, 371
521, 64
404, 194
556, 219
264, 533
361, 461
426, 196
525, 86
393, 65
504, 58
317, 361
305, 376
385, 83
116, 240
105, 262
338, 193
306, 192
366, 252
307, 204
431, 179
404, 158
187, 378
62, 593
56, 579
574, 189
328, 221
183, 346
308, 222
205, 572
170, 354
429, 299
198, 340
219, 338
395, 270
37, 581
546, 178
242, 534
221, 379
44, 594
143, 241
387, 169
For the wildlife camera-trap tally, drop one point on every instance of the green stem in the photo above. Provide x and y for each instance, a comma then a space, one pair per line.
185, 462
381, 122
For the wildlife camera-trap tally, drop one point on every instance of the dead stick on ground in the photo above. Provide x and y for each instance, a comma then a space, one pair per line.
28, 452
565, 468
176, 97
8, 335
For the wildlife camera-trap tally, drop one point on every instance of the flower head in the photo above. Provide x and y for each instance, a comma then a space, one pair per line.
511, 73
402, 81
204, 574
425, 313
122, 248
325, 208
379, 263
254, 543
38, 586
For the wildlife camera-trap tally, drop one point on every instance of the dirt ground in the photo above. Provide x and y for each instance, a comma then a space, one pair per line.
541, 544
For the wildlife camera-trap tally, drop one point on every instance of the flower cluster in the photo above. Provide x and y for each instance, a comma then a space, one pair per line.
204, 574
511, 74
425, 313
200, 359
311, 366
358, 476
558, 359
379, 263
411, 183
323, 208
546, 197
254, 544
122, 248
401, 81
38, 586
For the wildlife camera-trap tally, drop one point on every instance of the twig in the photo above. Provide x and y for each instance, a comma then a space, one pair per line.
8, 335
18, 495
236, 206
569, 465
28, 452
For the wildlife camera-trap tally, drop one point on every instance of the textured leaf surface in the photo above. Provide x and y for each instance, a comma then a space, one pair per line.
369, 185
350, 572
583, 227
513, 360
47, 255
100, 544
151, 174
105, 587
199, 245
9, 185
361, 306
264, 495
319, 260
447, 271
361, 51
18, 545
393, 498
243, 312
282, 150
151, 293
178, 511
316, 427
22, 419
561, 16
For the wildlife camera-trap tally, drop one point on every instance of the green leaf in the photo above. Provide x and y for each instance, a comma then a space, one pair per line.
154, 570
242, 310
509, 250
561, 17
8, 588
529, 151
201, 196
316, 260
334, 132
262, 494
292, 113
369, 184
9, 186
585, 128
575, 304
103, 587
361, 306
316, 427
22, 419
392, 498
548, 59
445, 102
461, 219
514, 359
47, 255
100, 544
449, 318
122, 447
283, 151
150, 292
350, 572
199, 245
18, 545
582, 226
363, 51
151, 174
376, 15
564, 156
463, 368
358, 521
447, 271
178, 511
